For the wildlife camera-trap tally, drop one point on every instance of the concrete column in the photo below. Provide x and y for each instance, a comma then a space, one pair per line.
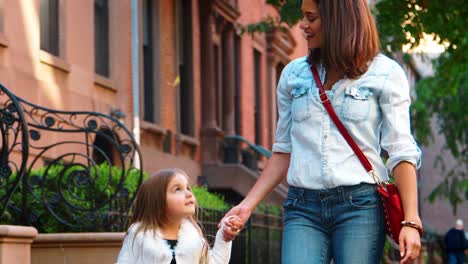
207, 67
15, 244
211, 135
228, 80
271, 97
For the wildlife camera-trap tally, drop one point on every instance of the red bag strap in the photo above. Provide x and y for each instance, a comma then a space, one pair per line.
326, 103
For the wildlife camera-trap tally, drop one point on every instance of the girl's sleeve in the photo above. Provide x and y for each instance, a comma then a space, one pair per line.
130, 248
283, 127
396, 131
221, 252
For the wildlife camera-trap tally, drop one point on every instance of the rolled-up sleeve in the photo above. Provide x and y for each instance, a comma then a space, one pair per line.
395, 102
283, 127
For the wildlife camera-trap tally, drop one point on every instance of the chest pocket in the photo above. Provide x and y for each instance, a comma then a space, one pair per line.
356, 103
300, 105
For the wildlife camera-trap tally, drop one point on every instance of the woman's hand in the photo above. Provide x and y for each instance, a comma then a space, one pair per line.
410, 244
233, 225
405, 179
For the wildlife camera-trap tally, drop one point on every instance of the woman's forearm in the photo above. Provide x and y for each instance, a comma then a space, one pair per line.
406, 181
274, 172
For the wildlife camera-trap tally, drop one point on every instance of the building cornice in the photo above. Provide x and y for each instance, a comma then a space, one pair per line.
226, 10
280, 44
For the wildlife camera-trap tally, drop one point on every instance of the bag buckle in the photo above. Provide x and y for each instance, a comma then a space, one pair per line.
323, 95
376, 177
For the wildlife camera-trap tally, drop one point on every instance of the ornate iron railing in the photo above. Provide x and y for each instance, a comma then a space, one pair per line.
80, 169
15, 138
238, 149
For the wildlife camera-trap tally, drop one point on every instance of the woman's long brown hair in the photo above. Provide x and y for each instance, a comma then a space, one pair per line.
350, 38
149, 207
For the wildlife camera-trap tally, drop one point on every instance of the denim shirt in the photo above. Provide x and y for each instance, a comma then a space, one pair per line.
374, 108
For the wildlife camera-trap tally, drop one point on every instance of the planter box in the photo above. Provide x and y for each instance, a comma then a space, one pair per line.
15, 244
75, 248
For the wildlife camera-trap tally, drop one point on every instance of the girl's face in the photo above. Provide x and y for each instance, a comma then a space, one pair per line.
311, 24
180, 202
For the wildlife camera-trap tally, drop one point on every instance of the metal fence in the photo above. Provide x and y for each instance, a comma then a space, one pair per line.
64, 169
259, 242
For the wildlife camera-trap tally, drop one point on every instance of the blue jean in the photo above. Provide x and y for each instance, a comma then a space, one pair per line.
456, 257
344, 223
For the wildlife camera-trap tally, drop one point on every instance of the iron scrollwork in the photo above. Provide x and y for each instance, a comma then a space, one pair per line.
14, 150
82, 168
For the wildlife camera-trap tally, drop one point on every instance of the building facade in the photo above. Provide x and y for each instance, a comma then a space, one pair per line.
207, 93
199, 78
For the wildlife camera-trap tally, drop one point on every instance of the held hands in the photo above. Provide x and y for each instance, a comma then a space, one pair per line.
410, 244
234, 221
231, 225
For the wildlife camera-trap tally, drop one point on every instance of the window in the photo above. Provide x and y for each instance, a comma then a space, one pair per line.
150, 68
49, 26
185, 107
257, 83
101, 37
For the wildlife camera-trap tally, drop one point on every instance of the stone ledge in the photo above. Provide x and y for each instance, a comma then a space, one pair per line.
153, 128
54, 61
104, 82
65, 238
11, 231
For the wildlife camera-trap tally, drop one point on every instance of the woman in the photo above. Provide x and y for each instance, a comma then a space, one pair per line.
333, 210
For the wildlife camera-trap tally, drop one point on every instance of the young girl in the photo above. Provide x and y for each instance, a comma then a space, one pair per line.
163, 228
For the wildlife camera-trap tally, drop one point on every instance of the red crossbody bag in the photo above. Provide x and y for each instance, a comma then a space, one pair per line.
391, 201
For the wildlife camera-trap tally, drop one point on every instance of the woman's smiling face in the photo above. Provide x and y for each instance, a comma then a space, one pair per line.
311, 24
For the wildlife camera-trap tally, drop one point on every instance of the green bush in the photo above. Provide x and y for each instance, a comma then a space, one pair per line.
77, 194
209, 200
270, 209
58, 185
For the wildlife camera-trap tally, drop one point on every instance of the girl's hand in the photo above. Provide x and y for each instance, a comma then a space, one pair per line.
410, 244
234, 221
235, 225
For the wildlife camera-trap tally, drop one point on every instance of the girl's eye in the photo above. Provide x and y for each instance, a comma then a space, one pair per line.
178, 189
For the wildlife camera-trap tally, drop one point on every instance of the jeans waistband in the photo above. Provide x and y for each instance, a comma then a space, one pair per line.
338, 192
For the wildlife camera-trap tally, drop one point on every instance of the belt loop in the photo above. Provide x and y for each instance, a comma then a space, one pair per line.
341, 194
301, 196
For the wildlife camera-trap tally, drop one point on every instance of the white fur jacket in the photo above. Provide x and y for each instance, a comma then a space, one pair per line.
150, 247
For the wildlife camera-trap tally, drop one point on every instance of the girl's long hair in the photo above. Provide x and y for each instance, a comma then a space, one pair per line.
149, 207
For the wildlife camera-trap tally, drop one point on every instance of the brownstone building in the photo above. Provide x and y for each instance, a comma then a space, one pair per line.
202, 97
198, 80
